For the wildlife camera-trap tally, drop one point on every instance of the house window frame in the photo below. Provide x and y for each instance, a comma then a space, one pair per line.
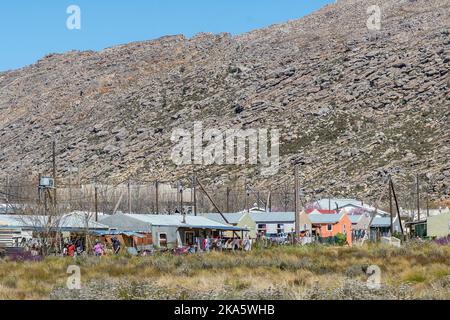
159, 238
329, 227
280, 228
262, 228
186, 237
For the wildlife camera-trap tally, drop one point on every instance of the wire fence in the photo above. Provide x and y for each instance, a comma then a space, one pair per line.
168, 197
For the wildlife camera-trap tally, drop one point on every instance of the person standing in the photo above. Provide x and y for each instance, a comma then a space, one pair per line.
98, 249
116, 245
71, 250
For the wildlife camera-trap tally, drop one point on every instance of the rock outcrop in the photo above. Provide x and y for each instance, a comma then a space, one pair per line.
353, 104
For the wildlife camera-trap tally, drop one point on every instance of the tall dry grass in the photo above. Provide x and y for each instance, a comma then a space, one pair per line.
310, 272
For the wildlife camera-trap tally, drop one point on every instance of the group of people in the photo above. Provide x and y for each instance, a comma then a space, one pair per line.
209, 244
73, 249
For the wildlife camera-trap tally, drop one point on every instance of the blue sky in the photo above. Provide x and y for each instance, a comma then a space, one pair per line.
31, 29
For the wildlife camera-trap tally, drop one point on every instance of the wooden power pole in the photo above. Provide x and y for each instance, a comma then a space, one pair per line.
297, 207
418, 197
391, 208
54, 172
157, 196
129, 196
96, 203
194, 192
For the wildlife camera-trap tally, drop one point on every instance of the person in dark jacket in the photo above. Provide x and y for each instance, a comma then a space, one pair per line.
116, 245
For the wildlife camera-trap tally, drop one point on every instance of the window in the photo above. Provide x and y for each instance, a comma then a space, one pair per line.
345, 229
189, 238
329, 227
280, 228
261, 228
163, 240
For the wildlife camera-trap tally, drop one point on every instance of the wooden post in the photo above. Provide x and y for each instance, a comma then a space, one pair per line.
39, 189
228, 199
418, 197
194, 190
96, 203
6, 194
390, 208
397, 206
297, 207
129, 196
181, 199
54, 172
246, 200
157, 196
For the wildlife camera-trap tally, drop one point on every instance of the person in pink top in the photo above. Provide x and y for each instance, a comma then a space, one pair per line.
98, 249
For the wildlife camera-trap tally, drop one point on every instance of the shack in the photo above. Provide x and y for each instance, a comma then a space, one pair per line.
170, 231
273, 223
416, 228
237, 219
381, 227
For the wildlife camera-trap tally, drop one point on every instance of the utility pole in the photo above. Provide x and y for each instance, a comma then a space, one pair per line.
247, 195
129, 196
418, 197
6, 194
390, 208
157, 196
54, 172
39, 190
194, 190
180, 190
181, 198
397, 207
228, 199
296, 185
286, 200
96, 202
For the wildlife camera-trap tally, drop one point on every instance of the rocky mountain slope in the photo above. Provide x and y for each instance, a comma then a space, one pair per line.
352, 104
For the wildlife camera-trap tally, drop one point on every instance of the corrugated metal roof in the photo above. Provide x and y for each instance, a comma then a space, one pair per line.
273, 217
332, 202
325, 218
117, 232
381, 222
354, 218
68, 221
232, 218
177, 221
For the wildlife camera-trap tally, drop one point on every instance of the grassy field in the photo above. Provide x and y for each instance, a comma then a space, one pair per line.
415, 271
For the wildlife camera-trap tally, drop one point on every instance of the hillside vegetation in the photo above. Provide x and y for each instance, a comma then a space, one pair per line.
352, 104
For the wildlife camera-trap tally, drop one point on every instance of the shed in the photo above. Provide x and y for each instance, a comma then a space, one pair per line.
169, 230
274, 222
237, 219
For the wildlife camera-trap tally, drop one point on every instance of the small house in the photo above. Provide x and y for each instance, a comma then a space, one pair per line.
381, 227
170, 231
330, 225
271, 223
238, 219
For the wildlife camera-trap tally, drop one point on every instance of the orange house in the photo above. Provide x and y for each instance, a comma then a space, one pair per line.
329, 225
